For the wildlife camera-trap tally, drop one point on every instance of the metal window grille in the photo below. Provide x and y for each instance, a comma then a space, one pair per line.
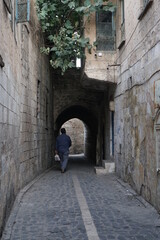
22, 11
105, 31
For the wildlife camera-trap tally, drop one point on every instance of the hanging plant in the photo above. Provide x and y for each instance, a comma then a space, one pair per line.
63, 26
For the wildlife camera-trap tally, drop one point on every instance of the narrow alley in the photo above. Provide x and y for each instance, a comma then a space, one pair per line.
93, 67
80, 205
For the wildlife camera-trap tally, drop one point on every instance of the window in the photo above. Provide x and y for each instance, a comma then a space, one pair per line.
157, 93
145, 2
145, 5
8, 5
157, 121
47, 92
157, 131
158, 147
122, 12
38, 99
122, 21
105, 31
22, 11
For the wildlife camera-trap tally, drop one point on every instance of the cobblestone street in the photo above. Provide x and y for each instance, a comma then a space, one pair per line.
81, 205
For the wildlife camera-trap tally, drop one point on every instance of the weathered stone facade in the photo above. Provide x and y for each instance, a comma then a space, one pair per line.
134, 67
124, 81
71, 100
86, 95
136, 113
25, 106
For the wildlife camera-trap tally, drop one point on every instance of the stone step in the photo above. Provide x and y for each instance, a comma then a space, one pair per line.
100, 170
107, 167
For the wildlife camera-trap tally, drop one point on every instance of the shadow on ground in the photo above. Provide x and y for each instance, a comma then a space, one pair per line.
76, 162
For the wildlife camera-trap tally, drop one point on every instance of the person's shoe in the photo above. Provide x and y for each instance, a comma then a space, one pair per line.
62, 171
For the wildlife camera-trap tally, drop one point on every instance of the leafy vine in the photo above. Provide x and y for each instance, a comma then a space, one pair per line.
62, 22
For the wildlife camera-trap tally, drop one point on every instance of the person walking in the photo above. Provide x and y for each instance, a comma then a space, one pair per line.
63, 143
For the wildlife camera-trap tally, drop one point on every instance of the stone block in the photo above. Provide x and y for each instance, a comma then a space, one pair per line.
109, 166
100, 170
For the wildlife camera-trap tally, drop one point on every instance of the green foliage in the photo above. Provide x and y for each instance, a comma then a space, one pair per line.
62, 24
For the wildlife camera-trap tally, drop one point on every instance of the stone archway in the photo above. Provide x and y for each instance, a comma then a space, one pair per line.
91, 127
75, 127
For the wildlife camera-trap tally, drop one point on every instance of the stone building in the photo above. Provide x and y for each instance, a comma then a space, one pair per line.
137, 97
116, 95
131, 60
25, 104
119, 89
88, 93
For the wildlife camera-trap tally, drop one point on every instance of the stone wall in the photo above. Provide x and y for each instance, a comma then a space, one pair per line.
75, 129
72, 100
25, 107
97, 62
135, 110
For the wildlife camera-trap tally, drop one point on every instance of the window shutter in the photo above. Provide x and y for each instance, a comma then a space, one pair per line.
8, 5
22, 11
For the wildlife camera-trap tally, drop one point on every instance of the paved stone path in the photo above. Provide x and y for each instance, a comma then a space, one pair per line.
80, 205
